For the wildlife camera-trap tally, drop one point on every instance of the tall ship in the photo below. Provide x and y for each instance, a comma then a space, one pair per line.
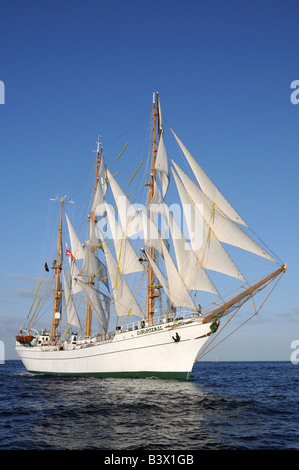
128, 302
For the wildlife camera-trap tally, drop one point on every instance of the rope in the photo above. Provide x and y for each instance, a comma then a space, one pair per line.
242, 324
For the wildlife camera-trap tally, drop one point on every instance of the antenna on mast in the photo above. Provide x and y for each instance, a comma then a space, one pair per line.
98, 142
62, 199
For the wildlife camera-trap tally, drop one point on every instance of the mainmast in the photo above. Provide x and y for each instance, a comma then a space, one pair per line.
90, 280
58, 267
151, 289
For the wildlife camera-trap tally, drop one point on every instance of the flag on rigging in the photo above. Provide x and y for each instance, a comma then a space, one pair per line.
69, 253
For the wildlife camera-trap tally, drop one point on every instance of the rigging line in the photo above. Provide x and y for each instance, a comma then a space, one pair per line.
236, 329
34, 299
219, 211
271, 291
138, 285
268, 248
138, 121
228, 321
141, 180
35, 311
242, 324
46, 296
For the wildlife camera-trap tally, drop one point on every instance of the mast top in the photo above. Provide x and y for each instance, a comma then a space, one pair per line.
62, 199
98, 142
155, 94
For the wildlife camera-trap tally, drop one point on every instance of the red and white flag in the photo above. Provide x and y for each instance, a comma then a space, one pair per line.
69, 253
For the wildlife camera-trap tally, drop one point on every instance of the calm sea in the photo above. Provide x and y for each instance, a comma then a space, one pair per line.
226, 405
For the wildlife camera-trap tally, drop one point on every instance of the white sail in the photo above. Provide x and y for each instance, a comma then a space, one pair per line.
157, 198
92, 267
158, 274
125, 302
209, 188
74, 273
127, 259
208, 250
178, 292
98, 206
160, 120
177, 262
100, 303
224, 229
161, 166
189, 267
151, 234
129, 217
103, 175
93, 239
174, 295
71, 312
76, 246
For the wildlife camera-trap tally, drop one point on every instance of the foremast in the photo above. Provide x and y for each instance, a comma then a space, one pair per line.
58, 268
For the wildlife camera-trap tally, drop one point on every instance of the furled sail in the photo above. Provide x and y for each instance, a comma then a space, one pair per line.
125, 302
207, 248
71, 312
224, 229
208, 187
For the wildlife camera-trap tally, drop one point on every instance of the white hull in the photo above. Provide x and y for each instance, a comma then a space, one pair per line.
145, 352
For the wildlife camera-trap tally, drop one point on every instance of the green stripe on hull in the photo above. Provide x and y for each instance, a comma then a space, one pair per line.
103, 375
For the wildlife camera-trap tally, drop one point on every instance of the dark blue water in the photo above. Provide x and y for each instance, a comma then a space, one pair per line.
253, 405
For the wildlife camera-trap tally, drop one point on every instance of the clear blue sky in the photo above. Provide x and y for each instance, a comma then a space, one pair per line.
74, 69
